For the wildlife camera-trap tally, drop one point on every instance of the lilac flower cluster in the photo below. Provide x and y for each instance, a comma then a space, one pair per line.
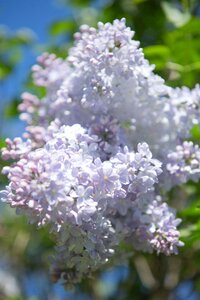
184, 163
98, 148
186, 106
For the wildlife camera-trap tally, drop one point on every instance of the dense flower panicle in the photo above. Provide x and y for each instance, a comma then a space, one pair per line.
112, 77
105, 139
30, 106
164, 236
184, 163
66, 181
109, 134
16, 149
149, 224
106, 74
86, 252
186, 106
66, 184
50, 71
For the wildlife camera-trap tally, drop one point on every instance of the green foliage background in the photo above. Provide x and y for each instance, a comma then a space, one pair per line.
169, 32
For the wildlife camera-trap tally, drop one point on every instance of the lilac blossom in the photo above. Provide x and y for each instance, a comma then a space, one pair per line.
184, 163
186, 106
104, 141
67, 185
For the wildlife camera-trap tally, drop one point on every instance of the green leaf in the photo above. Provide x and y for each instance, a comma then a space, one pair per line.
157, 55
78, 3
5, 70
192, 211
186, 233
11, 109
192, 26
2, 143
174, 15
136, 2
195, 132
62, 27
159, 50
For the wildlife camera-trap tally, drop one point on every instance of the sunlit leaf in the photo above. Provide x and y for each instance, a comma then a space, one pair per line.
11, 109
157, 55
195, 132
2, 143
62, 27
78, 3
5, 70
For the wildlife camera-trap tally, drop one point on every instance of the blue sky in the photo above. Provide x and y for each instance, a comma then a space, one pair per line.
36, 15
